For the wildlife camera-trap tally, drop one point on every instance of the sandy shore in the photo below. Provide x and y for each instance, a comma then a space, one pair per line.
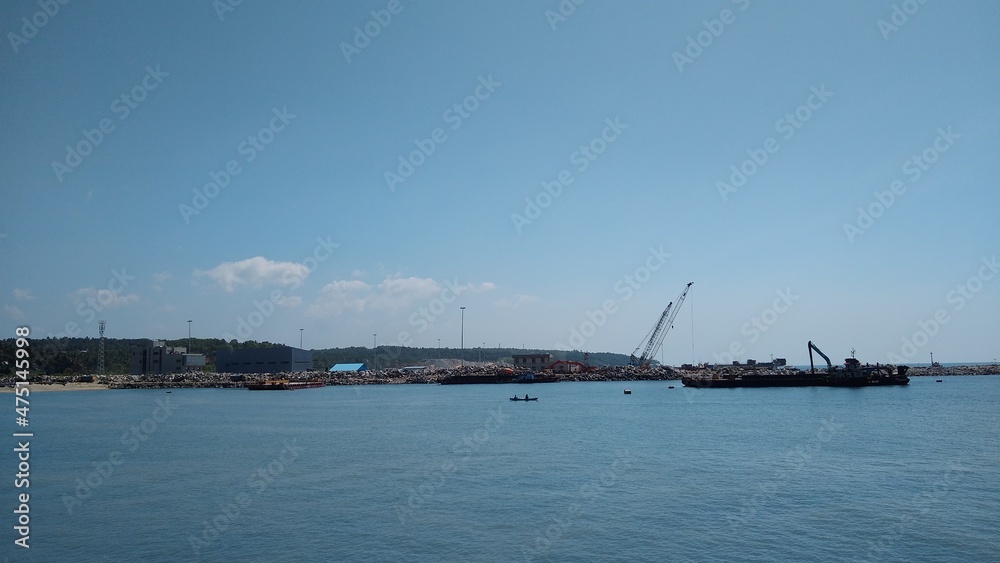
38, 388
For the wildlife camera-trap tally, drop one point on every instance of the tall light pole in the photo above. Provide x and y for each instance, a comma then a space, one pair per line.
463, 335
189, 337
374, 354
300, 337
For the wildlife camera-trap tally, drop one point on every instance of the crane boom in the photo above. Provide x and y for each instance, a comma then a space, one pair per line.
653, 336
654, 340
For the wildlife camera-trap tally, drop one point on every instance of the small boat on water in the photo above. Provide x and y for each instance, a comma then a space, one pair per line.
283, 385
524, 398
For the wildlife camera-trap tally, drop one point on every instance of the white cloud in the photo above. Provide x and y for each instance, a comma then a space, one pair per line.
516, 301
14, 313
23, 294
255, 272
398, 293
103, 298
159, 278
485, 286
290, 301
339, 296
391, 294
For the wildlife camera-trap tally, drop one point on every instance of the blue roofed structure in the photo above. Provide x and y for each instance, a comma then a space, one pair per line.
349, 367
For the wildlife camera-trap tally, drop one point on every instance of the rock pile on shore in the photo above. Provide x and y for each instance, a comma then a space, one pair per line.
432, 376
992, 369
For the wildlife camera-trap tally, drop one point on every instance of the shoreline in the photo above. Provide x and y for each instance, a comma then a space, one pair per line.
58, 387
204, 380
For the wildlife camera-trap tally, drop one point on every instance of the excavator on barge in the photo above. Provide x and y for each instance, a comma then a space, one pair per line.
851, 374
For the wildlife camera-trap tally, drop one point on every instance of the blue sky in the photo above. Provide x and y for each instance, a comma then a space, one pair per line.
242, 168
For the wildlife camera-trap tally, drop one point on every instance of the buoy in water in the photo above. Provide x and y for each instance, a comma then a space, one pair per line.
628, 391
670, 387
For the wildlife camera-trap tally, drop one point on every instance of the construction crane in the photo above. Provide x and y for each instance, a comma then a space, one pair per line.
651, 343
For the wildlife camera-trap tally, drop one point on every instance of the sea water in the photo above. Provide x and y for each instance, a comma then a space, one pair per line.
460, 473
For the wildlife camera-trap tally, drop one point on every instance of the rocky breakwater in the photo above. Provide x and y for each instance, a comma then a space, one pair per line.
727, 372
193, 379
991, 369
625, 373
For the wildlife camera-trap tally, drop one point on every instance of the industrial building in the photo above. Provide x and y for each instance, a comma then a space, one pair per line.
534, 362
157, 357
263, 360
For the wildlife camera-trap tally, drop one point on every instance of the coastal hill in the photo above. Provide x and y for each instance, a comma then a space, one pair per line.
76, 356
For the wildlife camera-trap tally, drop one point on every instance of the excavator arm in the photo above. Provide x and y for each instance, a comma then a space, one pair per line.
812, 367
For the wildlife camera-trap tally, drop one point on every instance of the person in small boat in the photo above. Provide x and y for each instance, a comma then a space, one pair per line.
525, 396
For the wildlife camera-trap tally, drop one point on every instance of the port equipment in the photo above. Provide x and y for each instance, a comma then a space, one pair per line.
650, 345
812, 367
100, 348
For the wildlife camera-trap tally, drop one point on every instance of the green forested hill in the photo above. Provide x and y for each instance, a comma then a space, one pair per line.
72, 356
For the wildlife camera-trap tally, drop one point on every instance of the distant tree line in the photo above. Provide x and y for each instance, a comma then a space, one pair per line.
75, 356
402, 356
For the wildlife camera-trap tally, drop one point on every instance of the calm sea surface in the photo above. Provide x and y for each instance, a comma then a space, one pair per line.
459, 473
